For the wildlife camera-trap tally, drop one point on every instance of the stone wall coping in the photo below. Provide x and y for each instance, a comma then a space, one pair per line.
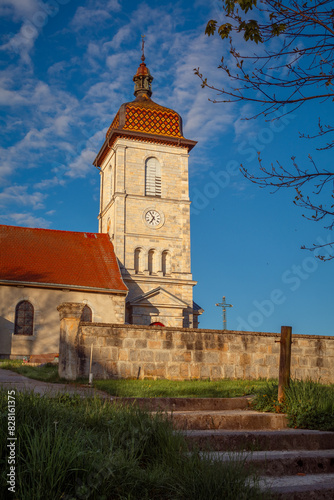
70, 310
200, 330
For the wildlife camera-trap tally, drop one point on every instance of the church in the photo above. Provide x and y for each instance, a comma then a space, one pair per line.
137, 268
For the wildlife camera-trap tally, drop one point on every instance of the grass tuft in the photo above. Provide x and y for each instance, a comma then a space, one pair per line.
308, 404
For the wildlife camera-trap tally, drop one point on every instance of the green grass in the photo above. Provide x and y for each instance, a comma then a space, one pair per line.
71, 448
146, 388
308, 404
46, 373
186, 388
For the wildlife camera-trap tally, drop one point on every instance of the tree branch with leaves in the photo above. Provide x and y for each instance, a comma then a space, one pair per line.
292, 65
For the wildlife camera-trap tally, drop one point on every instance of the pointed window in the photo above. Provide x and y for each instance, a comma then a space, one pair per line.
86, 314
152, 177
24, 318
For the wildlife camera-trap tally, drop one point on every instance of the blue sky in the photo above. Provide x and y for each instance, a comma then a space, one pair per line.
67, 66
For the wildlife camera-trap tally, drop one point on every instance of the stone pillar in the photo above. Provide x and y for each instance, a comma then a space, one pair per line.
70, 314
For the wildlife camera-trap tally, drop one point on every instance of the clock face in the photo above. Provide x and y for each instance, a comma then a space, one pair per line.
153, 218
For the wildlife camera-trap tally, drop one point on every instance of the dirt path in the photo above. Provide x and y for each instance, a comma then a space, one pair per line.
13, 380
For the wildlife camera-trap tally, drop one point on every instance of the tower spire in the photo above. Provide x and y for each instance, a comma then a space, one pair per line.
143, 78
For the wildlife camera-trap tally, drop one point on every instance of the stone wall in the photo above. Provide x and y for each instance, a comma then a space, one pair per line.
126, 351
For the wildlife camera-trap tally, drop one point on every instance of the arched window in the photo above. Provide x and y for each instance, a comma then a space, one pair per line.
152, 177
86, 314
24, 318
165, 264
151, 262
138, 260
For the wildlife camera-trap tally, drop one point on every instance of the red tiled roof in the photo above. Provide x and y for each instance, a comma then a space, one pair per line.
145, 115
47, 256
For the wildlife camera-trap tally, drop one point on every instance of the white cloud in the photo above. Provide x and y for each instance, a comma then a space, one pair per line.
122, 35
115, 61
34, 139
57, 69
62, 125
82, 164
88, 17
114, 5
19, 196
40, 123
18, 9
204, 119
25, 219
48, 183
94, 12
11, 98
244, 128
22, 42
34, 15
5, 171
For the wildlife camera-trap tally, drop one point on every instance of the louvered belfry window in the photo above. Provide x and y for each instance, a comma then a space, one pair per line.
153, 177
24, 318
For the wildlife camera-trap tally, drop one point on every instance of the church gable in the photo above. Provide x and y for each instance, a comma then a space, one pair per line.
158, 306
158, 297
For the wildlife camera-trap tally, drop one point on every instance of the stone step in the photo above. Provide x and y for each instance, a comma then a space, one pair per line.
187, 404
228, 419
303, 487
284, 439
281, 463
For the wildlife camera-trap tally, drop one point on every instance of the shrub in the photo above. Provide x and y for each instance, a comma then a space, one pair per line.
308, 404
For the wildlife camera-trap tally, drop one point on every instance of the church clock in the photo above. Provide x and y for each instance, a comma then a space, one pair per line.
153, 218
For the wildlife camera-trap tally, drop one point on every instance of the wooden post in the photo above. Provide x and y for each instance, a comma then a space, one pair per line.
284, 361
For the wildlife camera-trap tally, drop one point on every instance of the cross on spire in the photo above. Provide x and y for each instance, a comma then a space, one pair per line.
143, 78
223, 305
142, 47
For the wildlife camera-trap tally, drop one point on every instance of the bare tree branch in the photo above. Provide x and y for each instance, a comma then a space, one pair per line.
295, 70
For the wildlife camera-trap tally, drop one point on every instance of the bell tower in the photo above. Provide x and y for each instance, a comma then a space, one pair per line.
145, 207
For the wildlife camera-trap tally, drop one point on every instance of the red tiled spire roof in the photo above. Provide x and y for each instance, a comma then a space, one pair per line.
51, 257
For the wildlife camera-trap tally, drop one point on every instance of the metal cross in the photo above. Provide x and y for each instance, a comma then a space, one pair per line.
142, 47
223, 305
